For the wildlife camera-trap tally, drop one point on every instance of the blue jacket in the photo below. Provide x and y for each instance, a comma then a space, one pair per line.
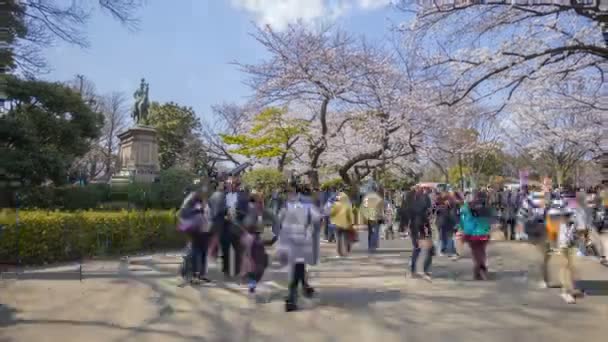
473, 226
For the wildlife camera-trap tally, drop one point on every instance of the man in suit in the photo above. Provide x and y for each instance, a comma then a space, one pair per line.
237, 204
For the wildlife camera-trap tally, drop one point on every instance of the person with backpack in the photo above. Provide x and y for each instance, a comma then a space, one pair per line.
475, 217
342, 219
296, 241
373, 212
193, 216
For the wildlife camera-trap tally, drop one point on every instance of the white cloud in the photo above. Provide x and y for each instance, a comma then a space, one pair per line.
280, 13
373, 4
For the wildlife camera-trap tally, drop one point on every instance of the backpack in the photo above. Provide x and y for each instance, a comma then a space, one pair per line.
373, 207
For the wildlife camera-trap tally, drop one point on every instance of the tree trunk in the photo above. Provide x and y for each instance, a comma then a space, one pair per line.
281, 162
559, 175
314, 179
318, 149
343, 171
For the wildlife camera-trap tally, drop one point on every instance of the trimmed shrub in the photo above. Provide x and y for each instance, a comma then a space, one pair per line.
51, 236
264, 180
168, 193
173, 183
65, 197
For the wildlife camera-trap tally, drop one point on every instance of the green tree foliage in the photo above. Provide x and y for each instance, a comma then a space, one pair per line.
390, 181
168, 193
456, 176
264, 180
46, 127
12, 18
173, 183
178, 130
273, 135
484, 164
334, 183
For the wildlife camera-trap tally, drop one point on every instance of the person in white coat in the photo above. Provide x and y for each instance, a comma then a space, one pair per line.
298, 220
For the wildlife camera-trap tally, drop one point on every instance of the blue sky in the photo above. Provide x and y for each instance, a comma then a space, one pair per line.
184, 49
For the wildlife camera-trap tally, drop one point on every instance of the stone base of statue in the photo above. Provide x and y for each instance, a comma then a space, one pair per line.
138, 156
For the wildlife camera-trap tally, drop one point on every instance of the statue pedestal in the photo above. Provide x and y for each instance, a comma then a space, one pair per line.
138, 155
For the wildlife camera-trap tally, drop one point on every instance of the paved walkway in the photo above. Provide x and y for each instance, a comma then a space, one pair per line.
361, 298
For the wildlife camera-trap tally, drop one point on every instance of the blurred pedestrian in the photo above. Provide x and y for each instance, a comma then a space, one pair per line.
421, 233
194, 216
445, 224
296, 240
475, 217
389, 214
373, 213
341, 218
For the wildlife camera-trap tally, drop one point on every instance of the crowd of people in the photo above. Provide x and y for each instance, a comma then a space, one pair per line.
232, 218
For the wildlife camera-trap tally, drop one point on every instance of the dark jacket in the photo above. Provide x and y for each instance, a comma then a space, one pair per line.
421, 204
217, 206
242, 205
421, 210
404, 212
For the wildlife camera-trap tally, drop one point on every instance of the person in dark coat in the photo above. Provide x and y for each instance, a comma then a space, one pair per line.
404, 212
237, 205
195, 204
420, 229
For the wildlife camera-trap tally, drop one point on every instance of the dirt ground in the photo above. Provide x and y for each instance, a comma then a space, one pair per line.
360, 298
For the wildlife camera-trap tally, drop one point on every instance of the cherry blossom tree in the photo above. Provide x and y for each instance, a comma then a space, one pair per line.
561, 124
320, 70
317, 68
363, 110
491, 51
227, 119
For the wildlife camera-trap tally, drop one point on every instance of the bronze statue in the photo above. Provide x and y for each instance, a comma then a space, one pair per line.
140, 109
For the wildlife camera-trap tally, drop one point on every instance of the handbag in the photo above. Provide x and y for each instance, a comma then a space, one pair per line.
194, 219
190, 224
352, 235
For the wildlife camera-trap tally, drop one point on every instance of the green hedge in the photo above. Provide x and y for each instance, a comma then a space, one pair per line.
51, 236
168, 193
65, 197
